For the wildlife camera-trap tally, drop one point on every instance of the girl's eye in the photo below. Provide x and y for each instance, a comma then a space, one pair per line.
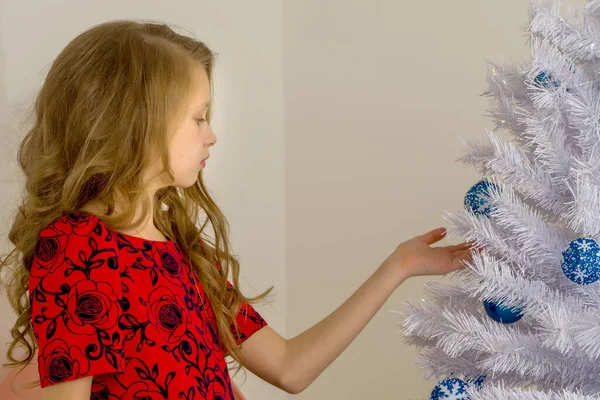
199, 121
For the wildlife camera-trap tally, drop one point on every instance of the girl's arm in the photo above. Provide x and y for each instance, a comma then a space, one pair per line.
237, 394
75, 389
294, 364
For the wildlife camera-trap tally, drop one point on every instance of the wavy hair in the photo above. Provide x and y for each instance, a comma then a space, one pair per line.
112, 96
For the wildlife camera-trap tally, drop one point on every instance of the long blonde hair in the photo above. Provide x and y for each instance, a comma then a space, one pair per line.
109, 98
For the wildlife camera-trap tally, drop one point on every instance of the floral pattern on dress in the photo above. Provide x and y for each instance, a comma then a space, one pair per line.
126, 311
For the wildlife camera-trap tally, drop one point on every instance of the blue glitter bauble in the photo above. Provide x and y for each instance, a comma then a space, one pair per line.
477, 199
581, 261
477, 382
505, 315
546, 80
451, 388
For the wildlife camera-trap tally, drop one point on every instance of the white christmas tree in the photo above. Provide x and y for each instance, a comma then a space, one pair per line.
522, 320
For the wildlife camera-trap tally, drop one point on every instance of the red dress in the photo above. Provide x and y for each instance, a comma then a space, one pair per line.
126, 311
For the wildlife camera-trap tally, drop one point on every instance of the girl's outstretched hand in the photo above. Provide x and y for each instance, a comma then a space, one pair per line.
415, 257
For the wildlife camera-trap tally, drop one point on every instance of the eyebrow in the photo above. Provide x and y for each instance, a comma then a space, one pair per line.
203, 107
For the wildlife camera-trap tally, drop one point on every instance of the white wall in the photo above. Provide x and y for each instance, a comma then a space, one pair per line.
245, 172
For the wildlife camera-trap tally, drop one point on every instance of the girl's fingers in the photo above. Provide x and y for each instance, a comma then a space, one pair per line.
434, 236
462, 255
461, 246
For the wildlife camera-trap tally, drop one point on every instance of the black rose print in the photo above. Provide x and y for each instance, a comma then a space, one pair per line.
167, 313
90, 307
49, 253
59, 361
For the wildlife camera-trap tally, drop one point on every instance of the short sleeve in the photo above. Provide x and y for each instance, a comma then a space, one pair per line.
75, 295
249, 322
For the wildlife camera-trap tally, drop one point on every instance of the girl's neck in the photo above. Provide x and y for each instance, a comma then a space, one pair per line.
146, 230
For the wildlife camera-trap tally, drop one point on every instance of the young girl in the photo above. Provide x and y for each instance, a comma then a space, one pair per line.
116, 288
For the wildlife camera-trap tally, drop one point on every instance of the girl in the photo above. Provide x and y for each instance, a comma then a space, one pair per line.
116, 288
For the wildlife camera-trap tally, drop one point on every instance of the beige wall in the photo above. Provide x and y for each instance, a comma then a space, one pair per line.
376, 95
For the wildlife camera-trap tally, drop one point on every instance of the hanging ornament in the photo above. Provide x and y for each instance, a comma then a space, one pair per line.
451, 388
543, 79
581, 261
477, 382
478, 200
505, 315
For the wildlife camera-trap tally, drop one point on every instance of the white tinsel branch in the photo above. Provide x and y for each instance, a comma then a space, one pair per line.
516, 169
497, 347
501, 392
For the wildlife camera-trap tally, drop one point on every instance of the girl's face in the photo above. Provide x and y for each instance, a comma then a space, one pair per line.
193, 137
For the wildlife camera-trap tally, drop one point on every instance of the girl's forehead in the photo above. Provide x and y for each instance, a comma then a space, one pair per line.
199, 96
199, 100
200, 78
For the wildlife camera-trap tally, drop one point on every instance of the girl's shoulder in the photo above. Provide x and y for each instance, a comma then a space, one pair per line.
77, 224
76, 298
76, 241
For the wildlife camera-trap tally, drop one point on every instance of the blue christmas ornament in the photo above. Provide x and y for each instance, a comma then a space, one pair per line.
546, 80
451, 388
477, 199
581, 261
477, 382
505, 315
